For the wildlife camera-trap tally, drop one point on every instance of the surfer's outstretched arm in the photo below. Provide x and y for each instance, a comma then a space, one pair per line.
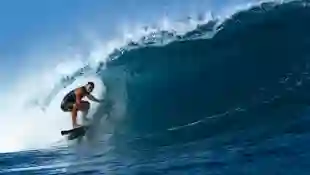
92, 98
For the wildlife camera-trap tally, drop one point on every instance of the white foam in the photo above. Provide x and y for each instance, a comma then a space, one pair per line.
24, 124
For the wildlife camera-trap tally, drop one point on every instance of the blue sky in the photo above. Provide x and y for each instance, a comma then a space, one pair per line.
25, 21
26, 25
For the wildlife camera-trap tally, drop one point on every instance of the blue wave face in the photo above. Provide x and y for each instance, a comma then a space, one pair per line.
248, 74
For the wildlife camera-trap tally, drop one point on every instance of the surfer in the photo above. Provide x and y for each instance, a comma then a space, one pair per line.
73, 102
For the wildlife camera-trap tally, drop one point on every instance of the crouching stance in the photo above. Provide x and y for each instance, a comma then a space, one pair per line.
73, 102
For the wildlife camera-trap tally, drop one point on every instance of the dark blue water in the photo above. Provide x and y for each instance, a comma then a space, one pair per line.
236, 103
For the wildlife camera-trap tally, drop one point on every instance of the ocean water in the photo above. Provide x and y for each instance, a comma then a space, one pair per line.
229, 97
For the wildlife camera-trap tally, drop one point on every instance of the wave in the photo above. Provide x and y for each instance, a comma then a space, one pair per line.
183, 78
229, 70
251, 72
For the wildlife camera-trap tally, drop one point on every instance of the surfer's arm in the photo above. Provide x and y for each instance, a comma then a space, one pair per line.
92, 98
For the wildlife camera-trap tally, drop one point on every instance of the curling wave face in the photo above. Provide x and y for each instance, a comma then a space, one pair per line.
255, 62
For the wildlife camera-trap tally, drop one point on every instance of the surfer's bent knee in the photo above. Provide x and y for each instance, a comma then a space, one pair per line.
83, 106
86, 105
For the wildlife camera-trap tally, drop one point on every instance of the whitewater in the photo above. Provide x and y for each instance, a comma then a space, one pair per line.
219, 92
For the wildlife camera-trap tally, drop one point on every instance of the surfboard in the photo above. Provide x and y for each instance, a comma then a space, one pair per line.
75, 132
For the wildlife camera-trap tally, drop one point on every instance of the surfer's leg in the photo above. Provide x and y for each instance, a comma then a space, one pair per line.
74, 116
85, 108
68, 106
84, 114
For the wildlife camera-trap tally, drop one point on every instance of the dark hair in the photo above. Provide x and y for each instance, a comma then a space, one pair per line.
91, 84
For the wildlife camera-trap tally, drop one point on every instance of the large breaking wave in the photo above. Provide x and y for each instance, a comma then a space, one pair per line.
242, 75
246, 75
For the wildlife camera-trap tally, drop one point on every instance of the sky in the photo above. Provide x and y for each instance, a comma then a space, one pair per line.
23, 21
38, 27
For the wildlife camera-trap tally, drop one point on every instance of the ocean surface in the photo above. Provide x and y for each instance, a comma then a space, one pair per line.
229, 97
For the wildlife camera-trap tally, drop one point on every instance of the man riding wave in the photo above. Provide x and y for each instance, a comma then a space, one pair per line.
73, 102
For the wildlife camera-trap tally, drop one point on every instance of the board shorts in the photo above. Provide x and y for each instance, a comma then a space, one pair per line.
68, 102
